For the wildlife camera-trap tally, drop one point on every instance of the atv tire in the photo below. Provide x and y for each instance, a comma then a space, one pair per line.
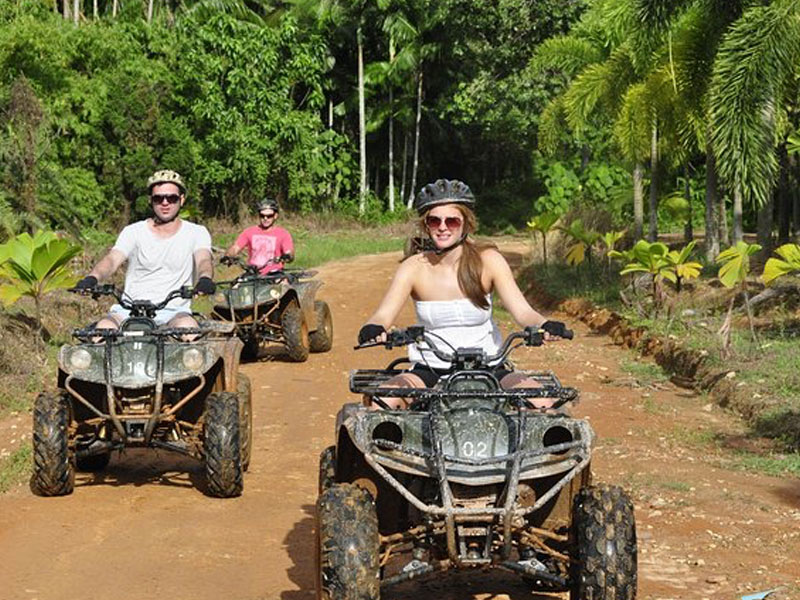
327, 468
222, 446
604, 535
243, 392
93, 463
321, 340
295, 332
347, 544
53, 462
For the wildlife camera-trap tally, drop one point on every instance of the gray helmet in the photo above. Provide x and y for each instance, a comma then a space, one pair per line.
266, 203
444, 191
166, 176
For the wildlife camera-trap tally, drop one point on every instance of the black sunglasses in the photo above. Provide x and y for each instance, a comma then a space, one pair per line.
159, 198
267, 215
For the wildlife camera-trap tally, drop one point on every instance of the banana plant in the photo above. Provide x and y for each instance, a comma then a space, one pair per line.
583, 240
776, 268
681, 268
735, 266
34, 266
610, 239
647, 257
543, 223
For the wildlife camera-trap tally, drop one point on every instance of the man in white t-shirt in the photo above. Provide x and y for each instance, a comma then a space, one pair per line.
164, 253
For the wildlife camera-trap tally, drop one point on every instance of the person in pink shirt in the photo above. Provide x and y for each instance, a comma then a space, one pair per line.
265, 242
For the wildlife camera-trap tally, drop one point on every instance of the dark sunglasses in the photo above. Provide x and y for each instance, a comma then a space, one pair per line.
159, 198
267, 215
434, 222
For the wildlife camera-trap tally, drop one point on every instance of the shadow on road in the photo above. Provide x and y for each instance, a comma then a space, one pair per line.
300, 547
145, 467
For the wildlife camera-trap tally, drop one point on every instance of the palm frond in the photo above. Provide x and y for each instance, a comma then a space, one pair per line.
632, 128
552, 122
754, 63
565, 53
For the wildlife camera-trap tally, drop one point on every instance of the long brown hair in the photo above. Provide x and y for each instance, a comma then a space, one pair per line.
470, 265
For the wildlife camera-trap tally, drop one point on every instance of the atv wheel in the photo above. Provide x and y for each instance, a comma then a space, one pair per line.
93, 463
295, 332
245, 418
605, 545
327, 468
222, 446
347, 545
53, 462
321, 340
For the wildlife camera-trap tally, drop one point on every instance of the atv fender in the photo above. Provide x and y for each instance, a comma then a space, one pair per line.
306, 294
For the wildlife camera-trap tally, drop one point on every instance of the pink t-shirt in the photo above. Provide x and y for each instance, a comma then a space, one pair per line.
265, 244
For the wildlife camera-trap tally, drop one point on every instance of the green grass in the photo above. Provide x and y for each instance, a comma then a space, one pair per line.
15, 468
590, 281
644, 371
314, 249
675, 486
771, 464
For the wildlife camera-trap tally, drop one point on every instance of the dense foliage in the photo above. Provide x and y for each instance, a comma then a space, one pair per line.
542, 107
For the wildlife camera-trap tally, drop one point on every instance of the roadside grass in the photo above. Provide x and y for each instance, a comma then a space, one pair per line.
644, 372
776, 464
16, 467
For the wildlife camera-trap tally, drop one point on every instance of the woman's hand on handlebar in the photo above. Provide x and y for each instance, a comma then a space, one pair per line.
555, 330
371, 333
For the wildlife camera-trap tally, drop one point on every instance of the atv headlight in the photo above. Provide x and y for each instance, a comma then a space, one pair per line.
193, 359
80, 359
275, 293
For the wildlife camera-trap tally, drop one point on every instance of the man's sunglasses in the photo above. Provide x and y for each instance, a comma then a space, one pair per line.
267, 215
434, 222
160, 198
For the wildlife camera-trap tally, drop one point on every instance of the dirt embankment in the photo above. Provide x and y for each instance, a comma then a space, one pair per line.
142, 529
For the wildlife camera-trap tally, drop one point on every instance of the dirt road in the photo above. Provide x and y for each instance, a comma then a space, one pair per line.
142, 530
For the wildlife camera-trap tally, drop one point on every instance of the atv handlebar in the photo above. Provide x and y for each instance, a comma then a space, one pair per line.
137, 308
530, 336
255, 269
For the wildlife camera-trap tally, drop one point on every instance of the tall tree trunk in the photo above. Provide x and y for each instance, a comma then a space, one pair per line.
330, 112
711, 233
404, 176
66, 10
722, 221
784, 197
115, 8
95, 12
653, 231
391, 130
794, 162
738, 226
688, 232
362, 128
638, 201
76, 11
764, 227
150, 11
416, 140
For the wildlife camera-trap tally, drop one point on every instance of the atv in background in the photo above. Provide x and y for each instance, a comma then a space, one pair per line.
278, 307
145, 386
471, 475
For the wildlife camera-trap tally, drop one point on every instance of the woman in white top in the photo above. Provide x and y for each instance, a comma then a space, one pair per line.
452, 286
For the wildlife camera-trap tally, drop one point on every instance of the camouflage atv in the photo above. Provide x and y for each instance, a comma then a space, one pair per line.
276, 308
470, 476
145, 386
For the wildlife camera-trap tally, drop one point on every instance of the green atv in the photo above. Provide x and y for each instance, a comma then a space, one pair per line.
470, 476
279, 307
145, 386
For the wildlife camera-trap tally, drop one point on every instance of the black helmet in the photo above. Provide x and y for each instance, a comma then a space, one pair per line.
444, 191
266, 203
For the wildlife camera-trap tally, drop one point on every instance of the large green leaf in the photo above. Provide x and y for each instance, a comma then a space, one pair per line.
776, 267
735, 263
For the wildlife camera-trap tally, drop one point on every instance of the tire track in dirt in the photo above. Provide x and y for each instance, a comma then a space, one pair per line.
143, 530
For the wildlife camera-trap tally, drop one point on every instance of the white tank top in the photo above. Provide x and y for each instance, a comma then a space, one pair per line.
460, 323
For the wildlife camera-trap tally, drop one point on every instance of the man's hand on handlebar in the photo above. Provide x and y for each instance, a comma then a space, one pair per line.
228, 260
87, 283
206, 286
